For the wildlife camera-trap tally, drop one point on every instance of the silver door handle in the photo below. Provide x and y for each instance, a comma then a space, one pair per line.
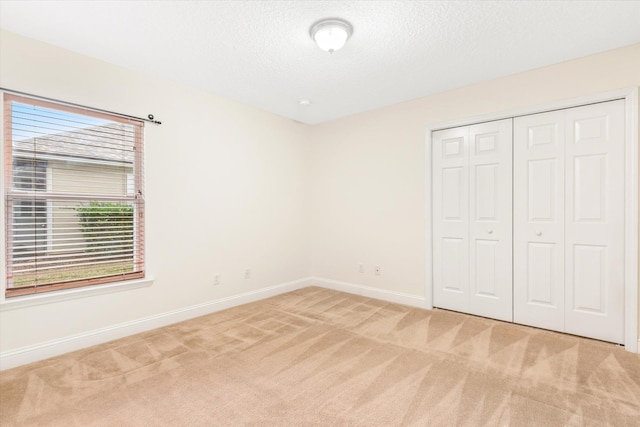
490, 231
538, 233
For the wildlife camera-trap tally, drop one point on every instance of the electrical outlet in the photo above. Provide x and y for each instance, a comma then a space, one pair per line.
247, 273
360, 268
216, 280
376, 270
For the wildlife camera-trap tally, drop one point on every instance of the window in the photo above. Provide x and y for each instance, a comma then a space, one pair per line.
74, 201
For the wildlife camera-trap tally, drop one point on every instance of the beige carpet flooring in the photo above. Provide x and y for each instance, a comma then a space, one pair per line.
317, 357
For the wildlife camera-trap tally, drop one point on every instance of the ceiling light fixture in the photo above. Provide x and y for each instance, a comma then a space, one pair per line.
331, 34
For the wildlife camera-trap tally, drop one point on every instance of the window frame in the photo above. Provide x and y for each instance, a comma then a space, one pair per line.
6, 223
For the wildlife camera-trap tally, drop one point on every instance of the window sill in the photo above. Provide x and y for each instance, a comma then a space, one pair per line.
69, 294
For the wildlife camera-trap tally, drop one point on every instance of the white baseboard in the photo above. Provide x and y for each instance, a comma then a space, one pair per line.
45, 350
367, 291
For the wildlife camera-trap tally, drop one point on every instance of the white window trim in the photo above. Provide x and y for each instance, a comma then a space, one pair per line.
31, 300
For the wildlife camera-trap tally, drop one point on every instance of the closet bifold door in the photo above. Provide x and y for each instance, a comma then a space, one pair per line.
538, 212
569, 220
450, 201
472, 219
594, 233
490, 220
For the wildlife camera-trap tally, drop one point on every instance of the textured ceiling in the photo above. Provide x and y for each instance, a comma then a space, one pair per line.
260, 52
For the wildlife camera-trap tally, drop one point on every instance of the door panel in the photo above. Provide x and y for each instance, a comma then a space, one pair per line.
490, 226
486, 190
589, 185
454, 265
538, 163
589, 286
542, 277
453, 190
454, 147
450, 218
485, 268
594, 259
541, 184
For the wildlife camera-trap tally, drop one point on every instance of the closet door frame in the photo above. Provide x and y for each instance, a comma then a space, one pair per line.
630, 96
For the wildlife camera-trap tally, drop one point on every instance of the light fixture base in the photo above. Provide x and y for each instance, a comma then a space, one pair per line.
331, 34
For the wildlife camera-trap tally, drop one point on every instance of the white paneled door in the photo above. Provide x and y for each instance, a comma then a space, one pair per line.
538, 234
451, 218
569, 220
594, 221
490, 275
472, 181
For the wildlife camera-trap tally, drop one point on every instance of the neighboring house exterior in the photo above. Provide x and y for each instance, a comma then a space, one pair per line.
68, 164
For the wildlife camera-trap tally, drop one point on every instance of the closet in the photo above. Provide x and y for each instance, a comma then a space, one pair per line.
528, 220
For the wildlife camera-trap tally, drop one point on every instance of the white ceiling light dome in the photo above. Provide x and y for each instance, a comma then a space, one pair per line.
331, 34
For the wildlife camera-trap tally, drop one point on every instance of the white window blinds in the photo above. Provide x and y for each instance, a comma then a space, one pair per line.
74, 205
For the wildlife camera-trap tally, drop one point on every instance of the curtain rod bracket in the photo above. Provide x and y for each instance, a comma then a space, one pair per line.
150, 116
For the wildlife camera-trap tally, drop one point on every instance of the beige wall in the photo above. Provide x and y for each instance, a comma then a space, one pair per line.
368, 179
230, 187
226, 189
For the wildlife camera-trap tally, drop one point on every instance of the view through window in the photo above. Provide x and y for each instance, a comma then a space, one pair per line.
74, 200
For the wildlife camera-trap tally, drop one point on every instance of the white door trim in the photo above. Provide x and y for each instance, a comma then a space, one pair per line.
631, 222
630, 95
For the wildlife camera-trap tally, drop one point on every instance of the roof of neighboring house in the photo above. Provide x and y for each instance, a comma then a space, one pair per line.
112, 142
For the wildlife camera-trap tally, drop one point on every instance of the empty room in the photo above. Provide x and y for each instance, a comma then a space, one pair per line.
319, 213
